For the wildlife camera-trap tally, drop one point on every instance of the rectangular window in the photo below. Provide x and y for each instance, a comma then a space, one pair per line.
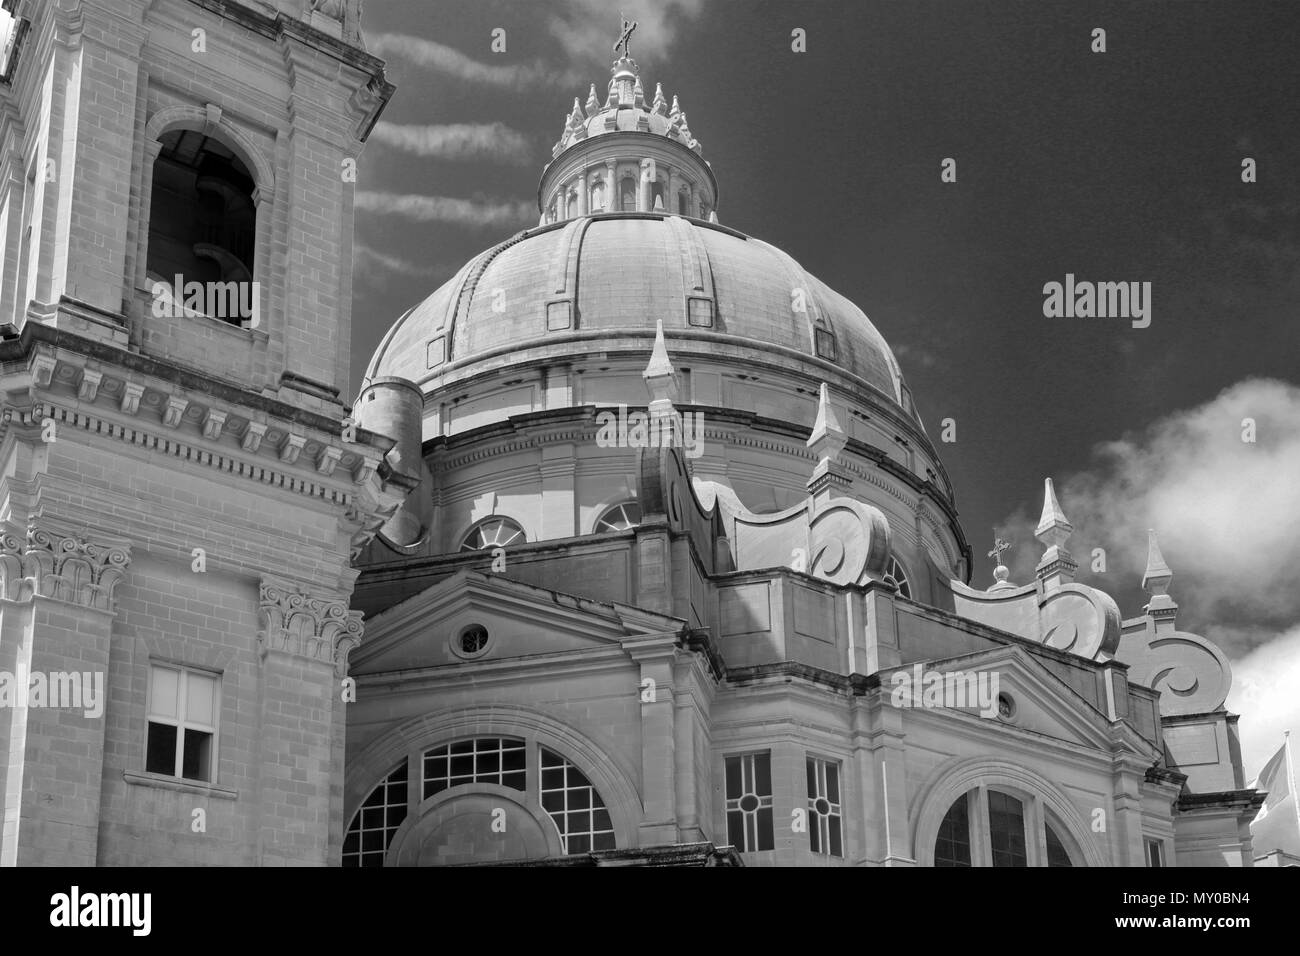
1155, 853
824, 808
183, 708
749, 802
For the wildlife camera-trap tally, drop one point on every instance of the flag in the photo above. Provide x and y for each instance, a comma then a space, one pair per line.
1277, 825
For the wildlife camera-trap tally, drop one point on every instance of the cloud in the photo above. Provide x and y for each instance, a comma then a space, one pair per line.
588, 28
371, 261
444, 59
459, 141
465, 212
1227, 513
1264, 685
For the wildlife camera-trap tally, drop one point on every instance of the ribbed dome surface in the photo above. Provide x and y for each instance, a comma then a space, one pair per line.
625, 271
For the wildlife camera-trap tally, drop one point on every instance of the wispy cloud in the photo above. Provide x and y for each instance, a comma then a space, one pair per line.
367, 261
1228, 515
587, 29
465, 212
441, 58
460, 141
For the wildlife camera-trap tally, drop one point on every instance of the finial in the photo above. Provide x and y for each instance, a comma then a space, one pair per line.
638, 94
1155, 581
593, 104
1162, 609
1054, 529
626, 29
1000, 573
575, 118
827, 440
675, 113
660, 105
660, 378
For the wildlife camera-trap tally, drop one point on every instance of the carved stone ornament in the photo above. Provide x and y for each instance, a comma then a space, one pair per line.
296, 623
63, 567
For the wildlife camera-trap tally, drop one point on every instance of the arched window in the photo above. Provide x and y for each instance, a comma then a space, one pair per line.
376, 820
1056, 852
658, 202
619, 518
628, 191
575, 806
499, 760
203, 222
899, 574
992, 827
493, 533
598, 196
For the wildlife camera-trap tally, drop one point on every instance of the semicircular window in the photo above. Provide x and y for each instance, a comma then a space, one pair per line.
575, 806
899, 575
621, 517
493, 533
376, 820
499, 760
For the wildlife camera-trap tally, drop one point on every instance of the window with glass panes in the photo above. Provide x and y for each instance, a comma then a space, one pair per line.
501, 760
182, 723
1007, 830
994, 828
375, 822
952, 847
575, 806
749, 801
824, 816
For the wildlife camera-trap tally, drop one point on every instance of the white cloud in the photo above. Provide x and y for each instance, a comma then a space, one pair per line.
1266, 693
1227, 513
494, 141
450, 61
372, 260
466, 212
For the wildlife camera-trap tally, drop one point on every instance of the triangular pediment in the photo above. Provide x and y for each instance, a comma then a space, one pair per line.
520, 621
1042, 703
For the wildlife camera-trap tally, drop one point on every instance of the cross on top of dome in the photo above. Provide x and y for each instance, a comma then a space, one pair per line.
625, 107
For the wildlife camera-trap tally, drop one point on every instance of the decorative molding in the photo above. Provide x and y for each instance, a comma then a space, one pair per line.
61, 566
318, 629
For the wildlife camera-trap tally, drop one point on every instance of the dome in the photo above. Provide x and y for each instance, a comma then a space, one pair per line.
598, 276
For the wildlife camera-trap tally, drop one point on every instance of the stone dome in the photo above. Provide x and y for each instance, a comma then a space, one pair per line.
591, 280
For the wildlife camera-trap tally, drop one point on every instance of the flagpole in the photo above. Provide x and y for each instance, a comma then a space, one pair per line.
1290, 768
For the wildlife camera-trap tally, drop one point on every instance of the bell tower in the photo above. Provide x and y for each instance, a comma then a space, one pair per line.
182, 485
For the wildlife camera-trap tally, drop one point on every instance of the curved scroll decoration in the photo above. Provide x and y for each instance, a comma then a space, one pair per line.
848, 542
1081, 620
296, 623
666, 493
1190, 672
60, 566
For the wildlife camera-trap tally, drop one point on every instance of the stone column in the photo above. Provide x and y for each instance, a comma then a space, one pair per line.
582, 193
304, 644
613, 200
11, 281
558, 469
656, 654
56, 614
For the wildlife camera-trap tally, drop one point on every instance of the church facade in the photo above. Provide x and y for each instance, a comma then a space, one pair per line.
632, 549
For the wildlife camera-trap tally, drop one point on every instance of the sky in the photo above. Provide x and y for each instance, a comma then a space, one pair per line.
1117, 166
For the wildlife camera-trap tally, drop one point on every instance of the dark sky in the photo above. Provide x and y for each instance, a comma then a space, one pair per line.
1115, 166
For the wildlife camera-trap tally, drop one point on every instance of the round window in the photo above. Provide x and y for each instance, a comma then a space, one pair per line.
472, 641
1006, 706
